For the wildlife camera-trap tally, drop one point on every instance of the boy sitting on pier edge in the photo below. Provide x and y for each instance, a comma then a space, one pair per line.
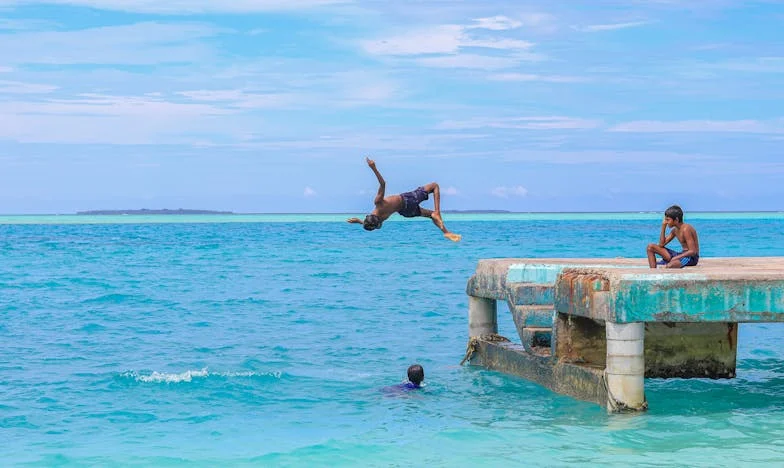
687, 236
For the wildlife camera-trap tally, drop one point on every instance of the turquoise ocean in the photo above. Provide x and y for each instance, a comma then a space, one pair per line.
265, 340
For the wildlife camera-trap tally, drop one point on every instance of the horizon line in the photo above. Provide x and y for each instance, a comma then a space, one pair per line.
231, 213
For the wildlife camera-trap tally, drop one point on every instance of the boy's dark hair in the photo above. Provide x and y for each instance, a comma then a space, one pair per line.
674, 212
371, 222
416, 374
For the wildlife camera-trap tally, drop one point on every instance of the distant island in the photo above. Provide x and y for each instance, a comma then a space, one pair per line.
145, 211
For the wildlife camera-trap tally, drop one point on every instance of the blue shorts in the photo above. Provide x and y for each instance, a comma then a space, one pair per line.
411, 201
685, 261
401, 388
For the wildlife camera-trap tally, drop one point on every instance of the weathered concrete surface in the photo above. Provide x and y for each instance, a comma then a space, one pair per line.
743, 289
579, 340
672, 350
532, 316
482, 316
530, 294
718, 290
489, 281
691, 350
581, 382
625, 369
492, 276
537, 340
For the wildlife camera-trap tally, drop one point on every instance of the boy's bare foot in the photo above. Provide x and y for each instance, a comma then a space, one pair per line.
453, 237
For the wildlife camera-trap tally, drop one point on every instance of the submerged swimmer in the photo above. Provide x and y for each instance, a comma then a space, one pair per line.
416, 374
406, 204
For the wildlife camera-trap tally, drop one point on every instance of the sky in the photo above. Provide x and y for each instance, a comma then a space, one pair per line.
271, 106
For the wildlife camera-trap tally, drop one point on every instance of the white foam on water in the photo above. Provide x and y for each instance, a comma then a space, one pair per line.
159, 377
190, 375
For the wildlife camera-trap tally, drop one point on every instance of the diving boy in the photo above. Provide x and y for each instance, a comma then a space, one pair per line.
405, 204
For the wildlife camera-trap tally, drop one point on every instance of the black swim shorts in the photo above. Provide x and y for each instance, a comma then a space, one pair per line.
411, 201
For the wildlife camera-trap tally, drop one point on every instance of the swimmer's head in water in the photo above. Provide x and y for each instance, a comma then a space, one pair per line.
416, 374
371, 222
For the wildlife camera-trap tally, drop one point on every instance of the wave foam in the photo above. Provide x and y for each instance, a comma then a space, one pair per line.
190, 375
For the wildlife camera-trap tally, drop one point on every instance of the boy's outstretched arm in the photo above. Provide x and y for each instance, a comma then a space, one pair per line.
354, 220
382, 185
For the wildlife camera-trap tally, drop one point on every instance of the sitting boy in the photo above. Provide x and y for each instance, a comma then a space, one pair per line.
687, 236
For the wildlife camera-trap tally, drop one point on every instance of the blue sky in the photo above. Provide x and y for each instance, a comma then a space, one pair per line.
272, 105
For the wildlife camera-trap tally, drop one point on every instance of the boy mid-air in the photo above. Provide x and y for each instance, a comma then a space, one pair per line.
406, 204
687, 236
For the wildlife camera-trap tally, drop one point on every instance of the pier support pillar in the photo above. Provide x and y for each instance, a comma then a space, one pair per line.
625, 368
482, 316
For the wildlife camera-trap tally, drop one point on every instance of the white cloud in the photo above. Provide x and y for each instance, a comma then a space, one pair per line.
506, 192
6, 69
240, 99
475, 61
137, 44
309, 192
612, 158
751, 65
537, 21
524, 123
214, 95
500, 44
96, 118
186, 6
436, 145
18, 87
536, 77
495, 23
611, 27
446, 46
22, 24
262, 86
107, 105
438, 40
450, 191
445, 39
701, 126
372, 92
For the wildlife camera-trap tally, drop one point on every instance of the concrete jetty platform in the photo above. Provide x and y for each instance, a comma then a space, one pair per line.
594, 329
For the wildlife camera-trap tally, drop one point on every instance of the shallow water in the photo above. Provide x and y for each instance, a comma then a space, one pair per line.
267, 341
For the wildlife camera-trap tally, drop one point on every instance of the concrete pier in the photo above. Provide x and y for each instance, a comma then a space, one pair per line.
482, 316
625, 366
594, 329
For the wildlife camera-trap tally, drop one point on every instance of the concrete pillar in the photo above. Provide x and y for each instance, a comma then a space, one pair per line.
625, 368
482, 316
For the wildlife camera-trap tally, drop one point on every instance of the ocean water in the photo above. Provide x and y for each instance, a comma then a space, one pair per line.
266, 341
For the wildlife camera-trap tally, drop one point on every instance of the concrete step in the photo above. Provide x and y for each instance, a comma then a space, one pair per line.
531, 294
537, 339
533, 316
